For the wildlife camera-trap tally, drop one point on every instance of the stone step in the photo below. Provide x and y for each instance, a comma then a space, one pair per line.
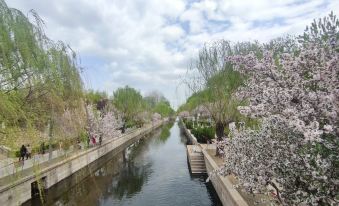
197, 161
198, 168
195, 165
197, 158
196, 154
198, 165
198, 171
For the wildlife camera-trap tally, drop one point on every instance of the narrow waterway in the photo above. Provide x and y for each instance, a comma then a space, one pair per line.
153, 171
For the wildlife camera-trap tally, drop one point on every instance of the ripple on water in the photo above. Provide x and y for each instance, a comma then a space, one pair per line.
152, 172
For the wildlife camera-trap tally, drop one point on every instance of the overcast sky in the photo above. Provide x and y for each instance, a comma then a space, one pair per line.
147, 44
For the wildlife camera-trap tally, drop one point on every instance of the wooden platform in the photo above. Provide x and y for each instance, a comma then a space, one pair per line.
196, 159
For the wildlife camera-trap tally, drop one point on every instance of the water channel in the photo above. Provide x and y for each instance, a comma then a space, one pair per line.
152, 171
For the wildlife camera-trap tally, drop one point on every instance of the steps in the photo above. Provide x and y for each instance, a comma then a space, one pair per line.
196, 159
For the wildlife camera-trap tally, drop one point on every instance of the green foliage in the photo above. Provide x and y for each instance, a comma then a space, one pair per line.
188, 124
163, 108
128, 101
203, 133
155, 102
39, 78
192, 102
223, 84
38, 148
94, 97
130, 124
216, 81
204, 123
322, 31
83, 137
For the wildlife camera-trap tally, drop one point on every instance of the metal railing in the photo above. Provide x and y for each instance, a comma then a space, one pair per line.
13, 166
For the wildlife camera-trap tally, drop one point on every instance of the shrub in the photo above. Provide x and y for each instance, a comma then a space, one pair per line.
37, 148
189, 124
130, 124
204, 123
203, 133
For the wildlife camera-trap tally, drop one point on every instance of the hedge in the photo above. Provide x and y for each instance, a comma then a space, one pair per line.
203, 133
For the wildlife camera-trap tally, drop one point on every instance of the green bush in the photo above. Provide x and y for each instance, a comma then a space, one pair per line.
189, 124
204, 123
37, 149
17, 153
203, 133
130, 124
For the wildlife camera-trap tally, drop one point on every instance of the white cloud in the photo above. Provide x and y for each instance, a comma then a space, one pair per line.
172, 33
148, 44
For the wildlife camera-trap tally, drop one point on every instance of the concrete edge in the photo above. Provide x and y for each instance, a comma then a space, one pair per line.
235, 195
189, 134
75, 156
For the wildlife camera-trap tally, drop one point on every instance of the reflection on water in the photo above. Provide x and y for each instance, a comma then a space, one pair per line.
165, 132
152, 171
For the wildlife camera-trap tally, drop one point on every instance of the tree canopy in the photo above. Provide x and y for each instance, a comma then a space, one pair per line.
294, 93
213, 81
163, 108
39, 78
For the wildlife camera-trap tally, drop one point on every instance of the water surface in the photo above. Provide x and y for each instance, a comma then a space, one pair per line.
153, 171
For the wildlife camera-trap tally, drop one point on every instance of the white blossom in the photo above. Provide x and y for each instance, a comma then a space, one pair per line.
295, 149
105, 125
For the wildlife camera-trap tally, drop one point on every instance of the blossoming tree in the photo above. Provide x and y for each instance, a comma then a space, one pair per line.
296, 97
105, 125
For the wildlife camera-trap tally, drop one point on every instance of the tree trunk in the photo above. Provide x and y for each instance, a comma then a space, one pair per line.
123, 128
219, 130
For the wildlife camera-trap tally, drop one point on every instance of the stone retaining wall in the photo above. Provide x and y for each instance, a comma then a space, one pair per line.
19, 191
227, 193
189, 134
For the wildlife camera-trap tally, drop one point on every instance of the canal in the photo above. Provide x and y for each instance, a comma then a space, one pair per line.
152, 171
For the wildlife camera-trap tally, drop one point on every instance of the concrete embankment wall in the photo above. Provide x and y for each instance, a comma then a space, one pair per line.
188, 134
228, 195
19, 191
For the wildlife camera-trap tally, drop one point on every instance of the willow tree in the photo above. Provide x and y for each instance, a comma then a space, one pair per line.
215, 81
39, 78
128, 101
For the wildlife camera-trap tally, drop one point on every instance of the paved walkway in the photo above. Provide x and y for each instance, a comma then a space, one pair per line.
10, 166
13, 170
25, 172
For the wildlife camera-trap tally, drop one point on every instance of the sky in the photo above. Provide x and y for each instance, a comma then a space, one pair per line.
148, 44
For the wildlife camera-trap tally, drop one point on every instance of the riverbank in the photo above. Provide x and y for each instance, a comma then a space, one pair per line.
15, 190
151, 171
227, 193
